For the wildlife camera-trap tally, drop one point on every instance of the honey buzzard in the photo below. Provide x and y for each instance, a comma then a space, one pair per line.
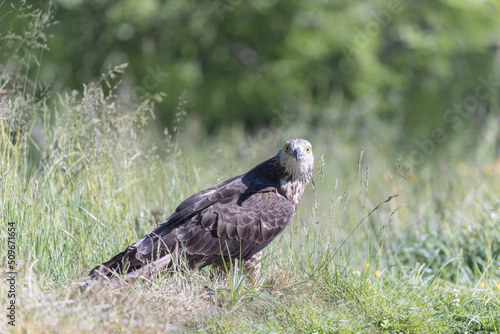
237, 218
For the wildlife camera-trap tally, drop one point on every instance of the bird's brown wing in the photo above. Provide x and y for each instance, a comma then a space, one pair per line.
239, 225
236, 227
239, 216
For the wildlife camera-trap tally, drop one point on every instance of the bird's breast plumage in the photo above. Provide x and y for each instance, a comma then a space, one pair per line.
293, 191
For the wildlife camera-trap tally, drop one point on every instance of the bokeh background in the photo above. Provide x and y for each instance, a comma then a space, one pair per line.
419, 78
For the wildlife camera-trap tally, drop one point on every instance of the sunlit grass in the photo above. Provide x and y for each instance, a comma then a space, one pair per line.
427, 266
80, 175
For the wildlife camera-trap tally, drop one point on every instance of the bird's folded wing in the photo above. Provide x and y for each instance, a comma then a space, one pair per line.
235, 225
245, 224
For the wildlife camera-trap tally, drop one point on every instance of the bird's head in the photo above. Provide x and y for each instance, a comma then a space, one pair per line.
297, 159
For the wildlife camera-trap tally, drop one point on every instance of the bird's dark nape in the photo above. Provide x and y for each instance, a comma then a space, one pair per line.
244, 213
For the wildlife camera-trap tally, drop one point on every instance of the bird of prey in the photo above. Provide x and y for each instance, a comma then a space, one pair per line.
235, 219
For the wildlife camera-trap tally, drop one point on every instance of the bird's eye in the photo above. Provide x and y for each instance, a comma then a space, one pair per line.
286, 148
308, 149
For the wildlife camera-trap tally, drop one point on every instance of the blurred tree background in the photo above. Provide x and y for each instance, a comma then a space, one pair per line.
391, 71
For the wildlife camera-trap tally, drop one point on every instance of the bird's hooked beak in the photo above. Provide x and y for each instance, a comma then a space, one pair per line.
297, 154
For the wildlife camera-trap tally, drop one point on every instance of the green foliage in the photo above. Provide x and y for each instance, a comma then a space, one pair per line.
401, 62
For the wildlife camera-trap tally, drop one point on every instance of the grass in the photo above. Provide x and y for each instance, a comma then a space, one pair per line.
80, 172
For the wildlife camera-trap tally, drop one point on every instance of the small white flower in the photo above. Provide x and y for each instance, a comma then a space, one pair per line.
456, 301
